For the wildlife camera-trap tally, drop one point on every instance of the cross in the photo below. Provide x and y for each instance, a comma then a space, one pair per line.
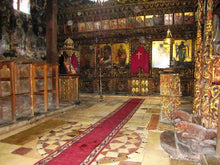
139, 54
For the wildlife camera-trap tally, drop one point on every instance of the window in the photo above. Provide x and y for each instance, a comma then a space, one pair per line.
22, 5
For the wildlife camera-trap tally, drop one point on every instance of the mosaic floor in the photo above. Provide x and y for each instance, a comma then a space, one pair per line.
137, 143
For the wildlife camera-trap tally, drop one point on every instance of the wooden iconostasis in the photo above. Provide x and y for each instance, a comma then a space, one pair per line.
108, 33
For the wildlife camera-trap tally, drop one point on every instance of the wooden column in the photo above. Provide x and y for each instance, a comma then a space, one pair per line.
51, 39
51, 32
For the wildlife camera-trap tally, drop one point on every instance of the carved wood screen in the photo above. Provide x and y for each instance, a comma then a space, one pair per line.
128, 23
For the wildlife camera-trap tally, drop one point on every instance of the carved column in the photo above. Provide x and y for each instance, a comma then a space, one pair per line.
170, 93
198, 60
51, 32
208, 113
218, 131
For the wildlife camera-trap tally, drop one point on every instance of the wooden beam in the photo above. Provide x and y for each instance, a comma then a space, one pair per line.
51, 32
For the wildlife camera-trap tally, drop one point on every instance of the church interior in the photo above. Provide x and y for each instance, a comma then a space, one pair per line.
115, 82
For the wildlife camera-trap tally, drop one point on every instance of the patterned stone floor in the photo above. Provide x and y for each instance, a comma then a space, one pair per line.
137, 143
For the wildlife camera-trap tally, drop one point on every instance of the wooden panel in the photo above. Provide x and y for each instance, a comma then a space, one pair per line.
69, 89
45, 82
7, 91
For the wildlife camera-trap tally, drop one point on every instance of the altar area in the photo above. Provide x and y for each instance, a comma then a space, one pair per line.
118, 78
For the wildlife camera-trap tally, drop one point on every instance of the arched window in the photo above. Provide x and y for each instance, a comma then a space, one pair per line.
22, 5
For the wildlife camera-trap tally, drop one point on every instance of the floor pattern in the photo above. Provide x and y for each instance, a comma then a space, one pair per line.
126, 145
53, 139
137, 143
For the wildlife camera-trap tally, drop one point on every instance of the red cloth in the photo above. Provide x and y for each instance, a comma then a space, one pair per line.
74, 62
140, 59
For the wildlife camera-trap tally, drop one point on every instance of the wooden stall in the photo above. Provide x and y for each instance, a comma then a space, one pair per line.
27, 89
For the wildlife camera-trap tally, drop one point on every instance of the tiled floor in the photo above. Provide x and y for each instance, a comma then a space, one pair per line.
137, 143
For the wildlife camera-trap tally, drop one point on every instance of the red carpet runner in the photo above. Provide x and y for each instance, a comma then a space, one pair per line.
84, 148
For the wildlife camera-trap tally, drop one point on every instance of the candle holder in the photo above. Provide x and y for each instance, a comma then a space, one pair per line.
100, 85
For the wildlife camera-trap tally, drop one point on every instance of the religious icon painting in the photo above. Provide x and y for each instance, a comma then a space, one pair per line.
160, 54
105, 25
121, 54
122, 23
182, 52
178, 18
104, 55
158, 19
168, 19
188, 18
86, 57
131, 22
81, 27
89, 26
74, 27
97, 25
149, 20
68, 29
140, 21
113, 24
